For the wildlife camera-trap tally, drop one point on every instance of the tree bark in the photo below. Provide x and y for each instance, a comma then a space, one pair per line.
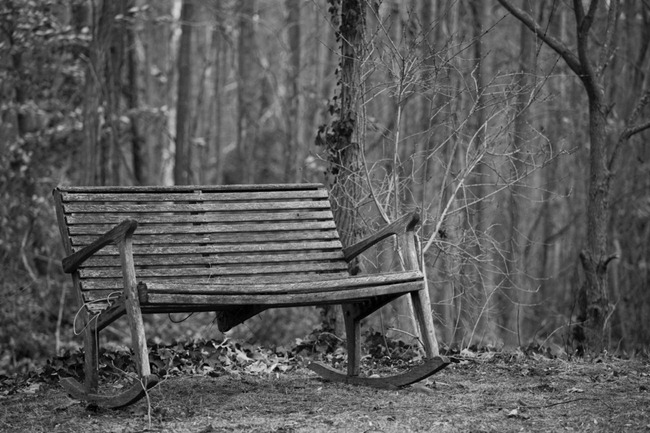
215, 158
100, 89
294, 100
248, 93
343, 150
182, 157
133, 103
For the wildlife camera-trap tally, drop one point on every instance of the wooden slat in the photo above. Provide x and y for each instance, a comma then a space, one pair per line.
294, 287
213, 217
190, 188
219, 238
208, 228
226, 249
217, 270
115, 284
193, 196
262, 206
167, 260
284, 299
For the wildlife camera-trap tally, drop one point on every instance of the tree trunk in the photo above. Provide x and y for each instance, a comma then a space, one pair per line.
248, 93
294, 119
215, 158
342, 148
133, 103
182, 159
593, 304
98, 85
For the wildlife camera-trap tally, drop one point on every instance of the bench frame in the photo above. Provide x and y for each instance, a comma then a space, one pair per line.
134, 303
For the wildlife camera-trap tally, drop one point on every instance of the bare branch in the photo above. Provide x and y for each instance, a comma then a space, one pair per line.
637, 129
608, 49
585, 21
557, 45
632, 127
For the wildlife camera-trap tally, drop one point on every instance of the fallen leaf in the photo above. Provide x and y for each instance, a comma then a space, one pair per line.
513, 413
576, 390
31, 389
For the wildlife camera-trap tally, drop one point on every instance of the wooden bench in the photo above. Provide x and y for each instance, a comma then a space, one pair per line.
236, 250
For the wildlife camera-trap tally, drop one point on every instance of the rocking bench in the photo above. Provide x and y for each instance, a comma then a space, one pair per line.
236, 250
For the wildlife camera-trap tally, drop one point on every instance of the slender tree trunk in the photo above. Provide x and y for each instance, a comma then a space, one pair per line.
215, 147
294, 118
594, 297
182, 160
133, 103
512, 269
97, 144
248, 92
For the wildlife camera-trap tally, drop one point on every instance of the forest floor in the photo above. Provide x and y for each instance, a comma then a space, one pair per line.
492, 391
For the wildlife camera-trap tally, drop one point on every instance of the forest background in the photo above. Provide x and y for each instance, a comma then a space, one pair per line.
528, 153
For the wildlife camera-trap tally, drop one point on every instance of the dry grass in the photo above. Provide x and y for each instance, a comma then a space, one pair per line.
489, 393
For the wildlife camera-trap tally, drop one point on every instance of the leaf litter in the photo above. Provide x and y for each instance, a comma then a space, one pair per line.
225, 386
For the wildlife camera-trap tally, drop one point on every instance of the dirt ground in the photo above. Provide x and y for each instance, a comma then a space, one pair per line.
493, 392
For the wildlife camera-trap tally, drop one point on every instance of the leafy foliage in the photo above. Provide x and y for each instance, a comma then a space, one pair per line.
40, 129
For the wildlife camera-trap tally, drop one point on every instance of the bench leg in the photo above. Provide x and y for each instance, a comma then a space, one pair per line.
353, 313
422, 307
353, 338
138, 338
88, 392
91, 355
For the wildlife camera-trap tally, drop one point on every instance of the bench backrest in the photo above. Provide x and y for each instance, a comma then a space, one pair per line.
202, 234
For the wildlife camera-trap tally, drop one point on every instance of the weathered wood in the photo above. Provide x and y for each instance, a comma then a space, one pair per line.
91, 357
415, 374
353, 337
344, 295
212, 217
407, 222
116, 401
214, 270
309, 285
65, 239
193, 196
235, 250
420, 299
133, 312
72, 262
259, 206
192, 188
210, 228
210, 259
114, 311
230, 248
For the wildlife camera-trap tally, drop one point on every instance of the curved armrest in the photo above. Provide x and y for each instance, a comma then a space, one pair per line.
406, 223
113, 236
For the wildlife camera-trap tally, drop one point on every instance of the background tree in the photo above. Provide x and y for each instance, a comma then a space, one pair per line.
184, 106
604, 146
